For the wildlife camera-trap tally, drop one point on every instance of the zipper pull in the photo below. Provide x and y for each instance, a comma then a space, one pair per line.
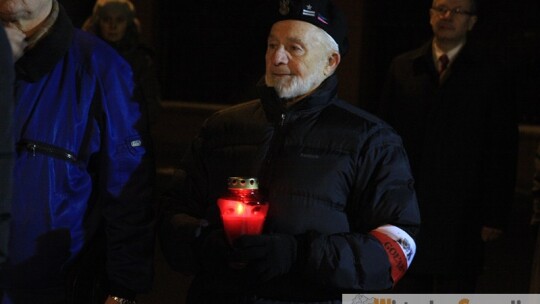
282, 119
33, 148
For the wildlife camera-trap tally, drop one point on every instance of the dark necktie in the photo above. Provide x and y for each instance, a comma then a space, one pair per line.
444, 63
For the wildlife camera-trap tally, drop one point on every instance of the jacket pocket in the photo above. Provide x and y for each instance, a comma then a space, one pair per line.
35, 147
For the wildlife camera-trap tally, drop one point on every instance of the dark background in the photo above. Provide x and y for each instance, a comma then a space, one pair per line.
212, 51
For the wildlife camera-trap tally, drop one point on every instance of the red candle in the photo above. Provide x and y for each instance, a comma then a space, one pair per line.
242, 211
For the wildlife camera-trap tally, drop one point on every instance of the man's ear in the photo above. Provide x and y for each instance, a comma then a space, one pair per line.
333, 61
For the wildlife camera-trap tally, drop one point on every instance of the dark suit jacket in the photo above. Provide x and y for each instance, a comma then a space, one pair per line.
6, 139
461, 137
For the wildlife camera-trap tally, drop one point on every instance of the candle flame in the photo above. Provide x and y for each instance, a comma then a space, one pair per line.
240, 208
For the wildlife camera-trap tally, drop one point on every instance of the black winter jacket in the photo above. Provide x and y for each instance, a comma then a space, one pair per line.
331, 174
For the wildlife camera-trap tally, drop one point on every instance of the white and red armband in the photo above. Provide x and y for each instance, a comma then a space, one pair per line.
400, 248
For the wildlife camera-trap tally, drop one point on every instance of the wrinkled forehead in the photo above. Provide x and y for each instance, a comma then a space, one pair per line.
294, 30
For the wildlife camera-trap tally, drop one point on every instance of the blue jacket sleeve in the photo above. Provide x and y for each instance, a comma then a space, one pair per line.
126, 182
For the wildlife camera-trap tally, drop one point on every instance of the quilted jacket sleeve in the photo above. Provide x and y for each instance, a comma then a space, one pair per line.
370, 257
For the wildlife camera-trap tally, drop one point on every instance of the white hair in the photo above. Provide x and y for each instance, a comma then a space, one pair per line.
297, 86
327, 41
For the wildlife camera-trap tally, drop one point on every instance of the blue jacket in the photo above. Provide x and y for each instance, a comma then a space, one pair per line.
82, 161
332, 174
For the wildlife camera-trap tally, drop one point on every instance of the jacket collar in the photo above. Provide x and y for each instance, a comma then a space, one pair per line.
320, 98
41, 59
423, 59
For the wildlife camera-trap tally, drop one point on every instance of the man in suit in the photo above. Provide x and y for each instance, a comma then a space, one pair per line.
448, 104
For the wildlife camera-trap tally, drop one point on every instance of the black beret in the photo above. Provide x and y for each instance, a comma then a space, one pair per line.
321, 13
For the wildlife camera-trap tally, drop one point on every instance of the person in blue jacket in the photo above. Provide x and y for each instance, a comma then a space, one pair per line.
82, 166
342, 212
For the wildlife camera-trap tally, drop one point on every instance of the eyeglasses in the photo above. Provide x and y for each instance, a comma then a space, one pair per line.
442, 10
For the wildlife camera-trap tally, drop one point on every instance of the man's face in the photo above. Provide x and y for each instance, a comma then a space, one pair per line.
113, 24
296, 62
16, 10
450, 26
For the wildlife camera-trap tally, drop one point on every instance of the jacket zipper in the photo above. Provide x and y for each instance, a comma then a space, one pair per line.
275, 144
36, 147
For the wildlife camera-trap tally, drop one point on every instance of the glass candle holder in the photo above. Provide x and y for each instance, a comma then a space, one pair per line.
242, 209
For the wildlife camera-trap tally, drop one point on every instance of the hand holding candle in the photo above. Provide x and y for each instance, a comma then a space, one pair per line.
242, 210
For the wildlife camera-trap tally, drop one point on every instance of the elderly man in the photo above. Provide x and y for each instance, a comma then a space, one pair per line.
342, 208
458, 126
81, 166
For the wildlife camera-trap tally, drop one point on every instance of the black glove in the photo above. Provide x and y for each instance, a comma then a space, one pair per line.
215, 252
267, 255
221, 275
